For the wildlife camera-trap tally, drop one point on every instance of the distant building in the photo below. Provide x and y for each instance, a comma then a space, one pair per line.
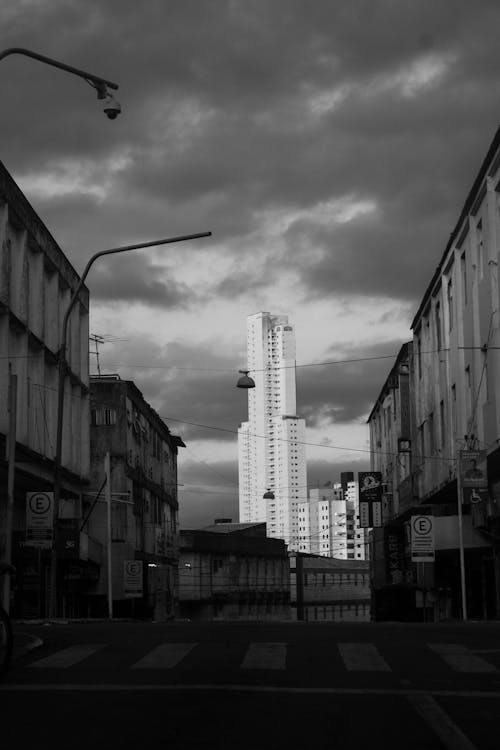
325, 589
144, 520
271, 443
232, 571
329, 524
36, 285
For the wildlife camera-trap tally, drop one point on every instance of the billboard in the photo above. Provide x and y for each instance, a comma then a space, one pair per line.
370, 498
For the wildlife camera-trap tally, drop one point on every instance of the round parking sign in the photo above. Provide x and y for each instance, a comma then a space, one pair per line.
39, 503
422, 525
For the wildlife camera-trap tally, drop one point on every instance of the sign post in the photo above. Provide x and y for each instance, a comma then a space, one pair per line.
471, 480
132, 578
422, 539
39, 519
370, 498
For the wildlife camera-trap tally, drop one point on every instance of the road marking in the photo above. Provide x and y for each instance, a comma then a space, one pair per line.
216, 687
362, 657
67, 657
448, 732
166, 656
265, 656
458, 657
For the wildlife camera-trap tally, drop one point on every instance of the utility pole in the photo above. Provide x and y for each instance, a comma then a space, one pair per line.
11, 458
107, 470
461, 542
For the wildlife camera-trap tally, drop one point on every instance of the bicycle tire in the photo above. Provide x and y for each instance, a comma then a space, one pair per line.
6, 641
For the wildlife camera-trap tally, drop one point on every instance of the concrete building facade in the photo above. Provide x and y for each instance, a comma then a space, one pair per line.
36, 285
271, 450
454, 369
232, 571
144, 514
329, 523
324, 589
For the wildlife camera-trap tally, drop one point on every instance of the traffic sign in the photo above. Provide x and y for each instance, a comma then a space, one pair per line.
132, 578
422, 539
39, 519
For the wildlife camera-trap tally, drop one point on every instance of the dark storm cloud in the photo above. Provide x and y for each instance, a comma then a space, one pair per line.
192, 386
345, 392
212, 491
130, 278
216, 128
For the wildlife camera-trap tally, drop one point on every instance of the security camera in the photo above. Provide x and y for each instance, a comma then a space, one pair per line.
111, 107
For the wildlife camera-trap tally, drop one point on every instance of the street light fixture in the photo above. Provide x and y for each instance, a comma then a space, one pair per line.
245, 381
111, 107
63, 367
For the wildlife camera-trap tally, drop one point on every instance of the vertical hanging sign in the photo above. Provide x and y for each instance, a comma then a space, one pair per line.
370, 498
39, 519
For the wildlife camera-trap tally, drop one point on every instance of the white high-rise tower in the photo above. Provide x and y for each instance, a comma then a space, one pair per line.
271, 443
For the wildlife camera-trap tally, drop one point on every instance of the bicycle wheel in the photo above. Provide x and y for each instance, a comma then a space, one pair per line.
5, 640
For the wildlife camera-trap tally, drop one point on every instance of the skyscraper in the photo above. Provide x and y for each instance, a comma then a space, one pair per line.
271, 443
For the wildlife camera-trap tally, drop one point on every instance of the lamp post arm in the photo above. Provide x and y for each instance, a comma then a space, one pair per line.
74, 297
99, 83
62, 378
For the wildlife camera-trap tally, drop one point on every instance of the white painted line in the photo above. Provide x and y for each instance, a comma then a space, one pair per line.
265, 656
448, 732
67, 657
362, 657
221, 688
166, 656
459, 658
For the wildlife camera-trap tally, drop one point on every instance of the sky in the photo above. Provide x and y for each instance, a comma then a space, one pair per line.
328, 146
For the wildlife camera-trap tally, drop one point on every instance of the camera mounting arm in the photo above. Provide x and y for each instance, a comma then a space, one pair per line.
100, 84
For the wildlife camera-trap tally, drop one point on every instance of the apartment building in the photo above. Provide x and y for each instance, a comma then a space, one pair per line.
329, 523
144, 514
36, 285
232, 571
271, 450
454, 368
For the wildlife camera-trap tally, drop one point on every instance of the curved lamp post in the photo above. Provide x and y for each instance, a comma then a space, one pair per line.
63, 367
101, 85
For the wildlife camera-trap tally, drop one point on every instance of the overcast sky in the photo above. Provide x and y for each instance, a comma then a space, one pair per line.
327, 145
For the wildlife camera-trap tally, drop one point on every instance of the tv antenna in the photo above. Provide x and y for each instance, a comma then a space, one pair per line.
98, 339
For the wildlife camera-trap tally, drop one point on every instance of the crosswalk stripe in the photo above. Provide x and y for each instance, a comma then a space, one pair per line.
458, 657
67, 657
165, 656
265, 656
362, 657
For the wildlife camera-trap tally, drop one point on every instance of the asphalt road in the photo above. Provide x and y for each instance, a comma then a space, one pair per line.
269, 685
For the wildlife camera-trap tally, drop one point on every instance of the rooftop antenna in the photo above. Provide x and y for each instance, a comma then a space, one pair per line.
97, 339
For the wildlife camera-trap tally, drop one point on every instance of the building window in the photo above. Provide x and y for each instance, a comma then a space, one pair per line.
438, 325
463, 268
432, 442
449, 295
103, 417
442, 426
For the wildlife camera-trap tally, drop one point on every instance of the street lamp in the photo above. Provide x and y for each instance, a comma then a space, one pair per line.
63, 366
111, 107
245, 381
